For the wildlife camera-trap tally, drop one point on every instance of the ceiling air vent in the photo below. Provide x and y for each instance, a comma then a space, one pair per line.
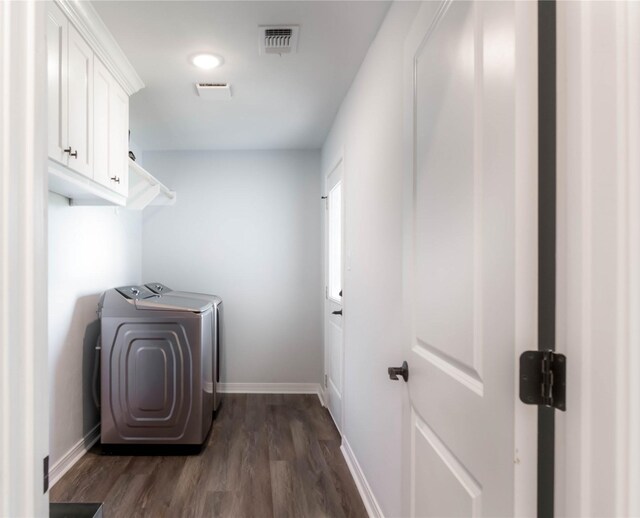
214, 91
278, 39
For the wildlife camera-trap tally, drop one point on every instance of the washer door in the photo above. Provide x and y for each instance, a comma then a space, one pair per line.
151, 381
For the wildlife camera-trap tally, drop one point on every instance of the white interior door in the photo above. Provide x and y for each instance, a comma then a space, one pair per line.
463, 218
334, 345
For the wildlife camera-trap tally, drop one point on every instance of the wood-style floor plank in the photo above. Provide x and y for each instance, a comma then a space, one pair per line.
268, 455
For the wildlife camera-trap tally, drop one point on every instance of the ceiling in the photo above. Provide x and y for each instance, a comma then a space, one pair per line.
286, 102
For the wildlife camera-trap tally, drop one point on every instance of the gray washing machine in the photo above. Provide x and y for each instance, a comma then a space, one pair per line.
155, 364
217, 330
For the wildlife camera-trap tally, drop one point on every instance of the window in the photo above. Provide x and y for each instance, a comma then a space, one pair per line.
335, 242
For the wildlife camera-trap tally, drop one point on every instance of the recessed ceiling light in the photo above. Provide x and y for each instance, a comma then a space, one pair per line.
206, 61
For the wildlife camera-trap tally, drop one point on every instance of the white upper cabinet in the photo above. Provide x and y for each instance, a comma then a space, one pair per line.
69, 94
80, 104
110, 130
89, 84
57, 37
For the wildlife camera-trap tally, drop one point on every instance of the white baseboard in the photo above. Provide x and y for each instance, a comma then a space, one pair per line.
270, 388
322, 396
76, 452
369, 499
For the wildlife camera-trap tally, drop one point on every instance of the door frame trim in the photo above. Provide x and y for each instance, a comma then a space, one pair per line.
526, 251
24, 395
598, 447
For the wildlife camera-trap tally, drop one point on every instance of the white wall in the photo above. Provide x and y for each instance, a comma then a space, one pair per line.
246, 227
369, 128
91, 249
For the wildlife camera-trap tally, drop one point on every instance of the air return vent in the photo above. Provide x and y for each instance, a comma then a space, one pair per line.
214, 91
278, 39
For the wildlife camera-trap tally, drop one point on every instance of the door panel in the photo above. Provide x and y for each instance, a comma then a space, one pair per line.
459, 268
57, 27
80, 78
101, 123
446, 242
452, 490
118, 139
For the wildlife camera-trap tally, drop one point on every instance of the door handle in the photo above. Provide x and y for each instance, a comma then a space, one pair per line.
74, 154
339, 312
403, 371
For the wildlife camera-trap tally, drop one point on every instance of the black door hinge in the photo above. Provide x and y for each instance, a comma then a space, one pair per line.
45, 474
543, 379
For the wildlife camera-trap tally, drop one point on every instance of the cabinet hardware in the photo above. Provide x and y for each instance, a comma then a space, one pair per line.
74, 154
67, 150
115, 179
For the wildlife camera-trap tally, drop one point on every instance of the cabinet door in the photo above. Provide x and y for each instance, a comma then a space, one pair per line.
119, 138
102, 82
57, 34
80, 81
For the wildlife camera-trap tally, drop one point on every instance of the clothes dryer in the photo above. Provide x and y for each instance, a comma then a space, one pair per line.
217, 331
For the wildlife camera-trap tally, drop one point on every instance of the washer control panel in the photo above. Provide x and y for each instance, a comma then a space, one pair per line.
158, 288
136, 292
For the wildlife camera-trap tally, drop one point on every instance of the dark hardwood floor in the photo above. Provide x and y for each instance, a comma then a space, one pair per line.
268, 455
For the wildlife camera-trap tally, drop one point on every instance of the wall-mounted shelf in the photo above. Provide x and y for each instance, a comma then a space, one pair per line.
79, 189
145, 189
